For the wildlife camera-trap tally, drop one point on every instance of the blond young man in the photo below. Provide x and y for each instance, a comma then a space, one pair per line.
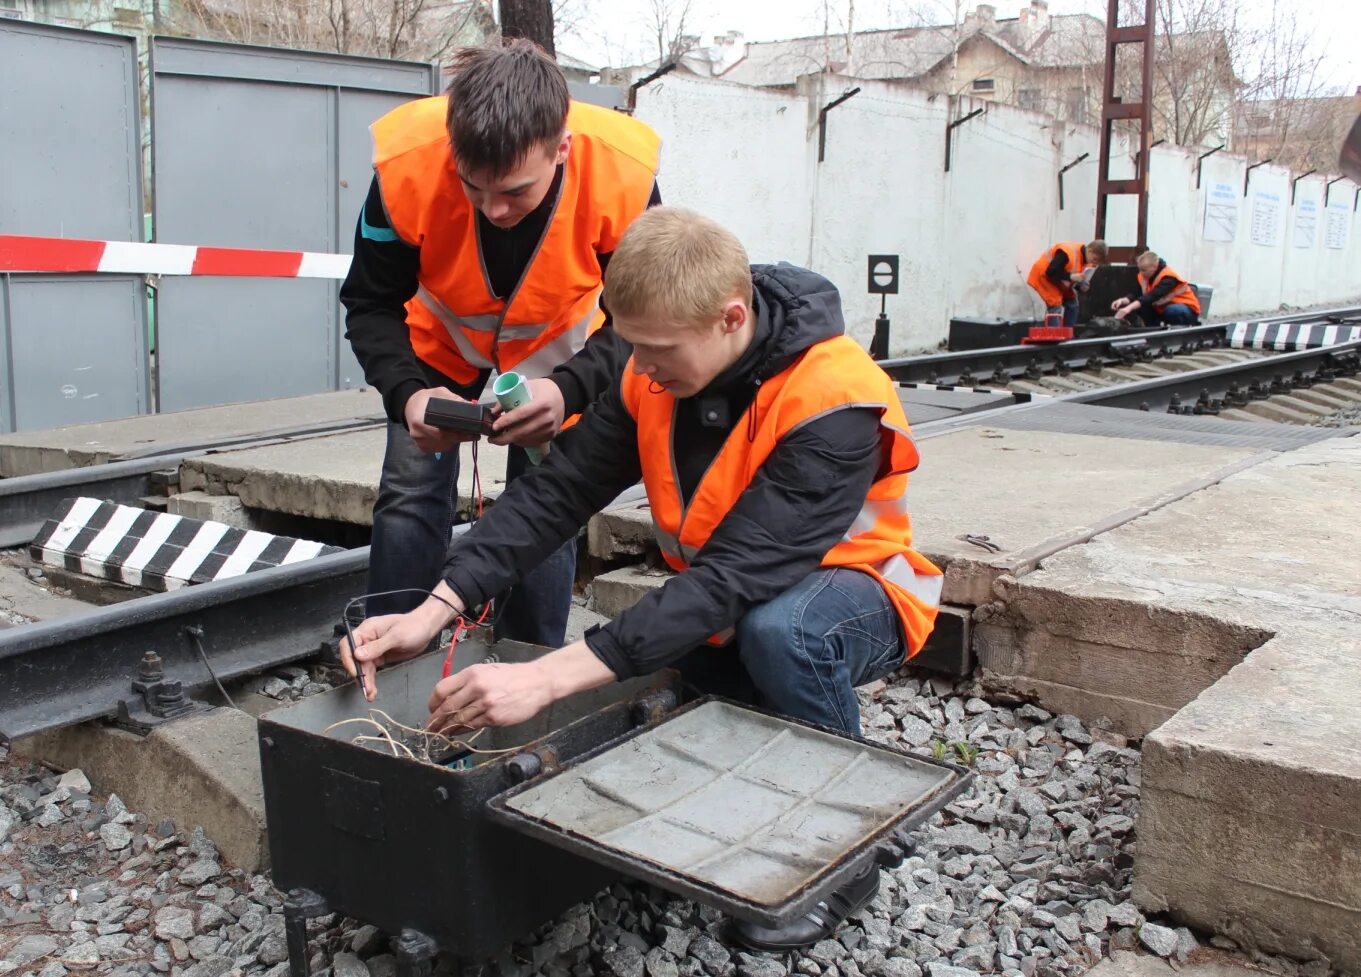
1165, 298
775, 457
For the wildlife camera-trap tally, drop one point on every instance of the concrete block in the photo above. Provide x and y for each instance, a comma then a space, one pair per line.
1251, 805
614, 592
202, 770
226, 509
621, 532
1123, 963
76, 446
1300, 406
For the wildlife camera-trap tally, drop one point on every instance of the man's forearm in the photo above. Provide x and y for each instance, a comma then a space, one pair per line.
573, 669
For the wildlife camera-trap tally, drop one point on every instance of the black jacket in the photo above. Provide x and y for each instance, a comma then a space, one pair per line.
384, 275
797, 507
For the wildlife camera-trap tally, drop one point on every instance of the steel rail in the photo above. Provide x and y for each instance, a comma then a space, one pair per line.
1217, 388
56, 673
27, 501
1001, 364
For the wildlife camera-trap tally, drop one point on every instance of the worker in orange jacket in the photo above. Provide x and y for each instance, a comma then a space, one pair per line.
481, 247
1061, 272
775, 455
1165, 298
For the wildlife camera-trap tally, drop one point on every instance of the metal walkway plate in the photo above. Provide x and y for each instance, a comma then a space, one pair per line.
1117, 422
751, 813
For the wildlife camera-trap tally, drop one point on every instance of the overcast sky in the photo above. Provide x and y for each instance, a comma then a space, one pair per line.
616, 30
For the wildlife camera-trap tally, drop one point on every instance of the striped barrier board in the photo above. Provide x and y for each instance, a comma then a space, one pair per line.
25, 253
1287, 337
156, 550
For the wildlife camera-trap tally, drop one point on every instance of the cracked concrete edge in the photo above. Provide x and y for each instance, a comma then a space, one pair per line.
199, 771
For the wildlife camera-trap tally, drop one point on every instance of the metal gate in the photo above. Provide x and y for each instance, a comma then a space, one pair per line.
73, 347
261, 148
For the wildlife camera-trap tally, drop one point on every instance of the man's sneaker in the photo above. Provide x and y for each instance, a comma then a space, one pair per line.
819, 924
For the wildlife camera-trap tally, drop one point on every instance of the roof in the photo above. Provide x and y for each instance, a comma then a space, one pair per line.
1069, 40
569, 63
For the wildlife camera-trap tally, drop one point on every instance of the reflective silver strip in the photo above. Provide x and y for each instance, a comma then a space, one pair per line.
550, 356
453, 325
673, 547
897, 571
524, 333
870, 514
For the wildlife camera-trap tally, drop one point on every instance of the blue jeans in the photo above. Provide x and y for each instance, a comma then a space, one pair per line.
1069, 310
412, 517
803, 653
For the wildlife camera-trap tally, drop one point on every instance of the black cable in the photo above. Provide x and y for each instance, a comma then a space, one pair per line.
196, 633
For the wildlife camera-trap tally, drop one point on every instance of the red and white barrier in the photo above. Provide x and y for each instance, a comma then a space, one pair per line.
19, 253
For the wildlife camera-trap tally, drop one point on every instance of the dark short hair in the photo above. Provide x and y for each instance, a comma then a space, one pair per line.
504, 100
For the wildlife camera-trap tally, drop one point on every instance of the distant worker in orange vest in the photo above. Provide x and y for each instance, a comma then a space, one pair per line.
1166, 299
481, 247
1061, 272
775, 455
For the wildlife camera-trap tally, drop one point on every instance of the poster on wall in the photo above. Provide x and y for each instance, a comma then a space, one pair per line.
1221, 212
1339, 223
1306, 223
1266, 218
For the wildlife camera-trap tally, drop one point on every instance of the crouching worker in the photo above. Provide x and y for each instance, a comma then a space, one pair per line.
1165, 298
1061, 272
775, 456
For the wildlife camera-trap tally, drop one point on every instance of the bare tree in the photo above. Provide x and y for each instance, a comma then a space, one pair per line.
421, 30
532, 19
666, 21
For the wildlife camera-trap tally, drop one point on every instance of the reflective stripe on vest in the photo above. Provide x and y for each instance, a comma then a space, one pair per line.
457, 324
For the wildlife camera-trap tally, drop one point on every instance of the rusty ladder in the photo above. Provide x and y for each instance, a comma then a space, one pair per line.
1113, 108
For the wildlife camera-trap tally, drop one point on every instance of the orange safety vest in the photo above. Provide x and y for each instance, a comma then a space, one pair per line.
1050, 293
831, 375
1183, 294
457, 325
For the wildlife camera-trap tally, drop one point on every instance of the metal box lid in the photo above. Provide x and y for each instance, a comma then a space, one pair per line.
757, 815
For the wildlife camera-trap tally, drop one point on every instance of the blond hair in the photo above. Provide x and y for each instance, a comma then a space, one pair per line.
1147, 256
1098, 248
678, 266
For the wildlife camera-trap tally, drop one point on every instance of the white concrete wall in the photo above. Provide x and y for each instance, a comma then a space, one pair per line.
968, 237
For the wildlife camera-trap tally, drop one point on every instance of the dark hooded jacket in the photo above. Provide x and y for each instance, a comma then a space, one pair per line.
801, 501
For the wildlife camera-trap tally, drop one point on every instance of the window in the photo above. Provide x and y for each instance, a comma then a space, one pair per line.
984, 85
1029, 98
1076, 103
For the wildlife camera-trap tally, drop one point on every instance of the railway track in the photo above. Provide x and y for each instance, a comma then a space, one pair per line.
1176, 371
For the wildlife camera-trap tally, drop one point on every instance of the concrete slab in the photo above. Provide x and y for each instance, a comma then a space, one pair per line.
334, 477
24, 600
79, 445
1122, 963
200, 771
1251, 805
1035, 493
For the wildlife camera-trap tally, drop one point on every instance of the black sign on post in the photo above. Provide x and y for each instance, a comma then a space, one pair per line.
883, 282
883, 274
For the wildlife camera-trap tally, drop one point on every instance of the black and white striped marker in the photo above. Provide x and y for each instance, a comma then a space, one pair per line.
1287, 337
157, 550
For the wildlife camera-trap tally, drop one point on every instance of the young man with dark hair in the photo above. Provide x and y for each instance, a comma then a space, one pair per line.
482, 247
1061, 272
775, 454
